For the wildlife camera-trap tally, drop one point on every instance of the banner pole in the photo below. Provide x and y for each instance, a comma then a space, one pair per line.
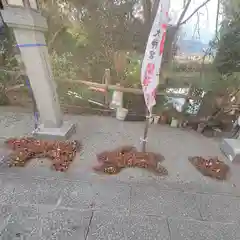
144, 140
152, 60
145, 133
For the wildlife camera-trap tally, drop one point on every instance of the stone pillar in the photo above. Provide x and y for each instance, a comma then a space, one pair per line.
29, 27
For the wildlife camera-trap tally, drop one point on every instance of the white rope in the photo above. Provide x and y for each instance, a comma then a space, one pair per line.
143, 140
150, 118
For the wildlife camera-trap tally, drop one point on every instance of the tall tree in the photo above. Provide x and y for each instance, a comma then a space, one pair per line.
94, 29
172, 30
227, 59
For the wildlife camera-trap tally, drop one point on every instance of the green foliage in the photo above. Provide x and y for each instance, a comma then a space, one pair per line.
63, 67
7, 62
228, 47
226, 67
133, 73
95, 30
3, 81
228, 54
110, 27
79, 35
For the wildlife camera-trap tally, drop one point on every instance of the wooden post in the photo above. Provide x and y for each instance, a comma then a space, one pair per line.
107, 82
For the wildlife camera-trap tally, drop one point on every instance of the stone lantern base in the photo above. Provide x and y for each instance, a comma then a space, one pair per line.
231, 149
62, 133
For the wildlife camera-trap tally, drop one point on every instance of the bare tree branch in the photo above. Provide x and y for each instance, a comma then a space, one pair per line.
183, 13
184, 3
207, 12
57, 33
194, 12
217, 19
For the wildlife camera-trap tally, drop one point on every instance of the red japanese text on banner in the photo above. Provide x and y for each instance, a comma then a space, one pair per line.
153, 54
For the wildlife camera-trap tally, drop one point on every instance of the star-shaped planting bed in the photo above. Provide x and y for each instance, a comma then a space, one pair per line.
211, 167
112, 162
61, 153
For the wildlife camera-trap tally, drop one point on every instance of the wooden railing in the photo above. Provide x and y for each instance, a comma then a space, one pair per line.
106, 86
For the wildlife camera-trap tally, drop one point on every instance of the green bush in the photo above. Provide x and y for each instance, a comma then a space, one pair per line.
133, 73
63, 67
3, 81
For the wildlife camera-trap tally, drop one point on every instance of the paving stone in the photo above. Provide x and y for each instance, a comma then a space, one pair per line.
76, 195
219, 208
4, 156
65, 224
115, 225
32, 191
108, 225
45, 223
79, 194
6, 191
5, 214
152, 201
24, 223
190, 229
97, 195
111, 195
208, 187
148, 228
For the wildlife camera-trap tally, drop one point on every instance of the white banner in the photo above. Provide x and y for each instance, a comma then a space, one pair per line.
153, 54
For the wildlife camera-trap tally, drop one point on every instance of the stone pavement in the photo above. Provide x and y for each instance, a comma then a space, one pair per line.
54, 206
37, 203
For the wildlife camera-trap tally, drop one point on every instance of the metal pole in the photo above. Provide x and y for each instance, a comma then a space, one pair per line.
144, 140
145, 134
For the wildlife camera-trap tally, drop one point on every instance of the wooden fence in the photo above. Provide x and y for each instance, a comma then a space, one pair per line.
105, 87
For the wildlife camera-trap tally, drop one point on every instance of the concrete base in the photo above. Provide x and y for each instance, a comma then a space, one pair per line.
231, 148
63, 133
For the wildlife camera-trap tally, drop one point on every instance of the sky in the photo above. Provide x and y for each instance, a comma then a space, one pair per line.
207, 19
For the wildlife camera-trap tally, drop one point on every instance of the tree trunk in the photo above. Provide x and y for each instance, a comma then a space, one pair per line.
154, 9
172, 33
147, 11
169, 45
150, 10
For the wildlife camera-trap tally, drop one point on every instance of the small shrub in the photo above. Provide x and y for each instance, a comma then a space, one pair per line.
63, 67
